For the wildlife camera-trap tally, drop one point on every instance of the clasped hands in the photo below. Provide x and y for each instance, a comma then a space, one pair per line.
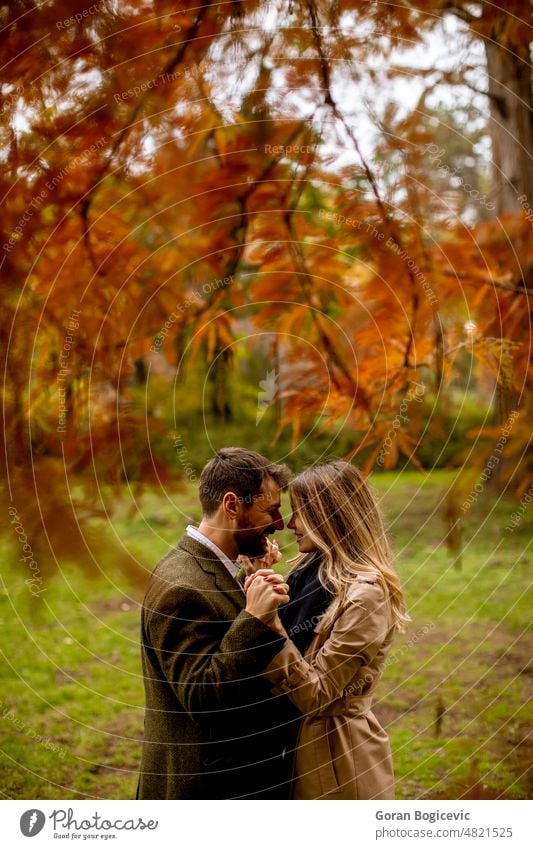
265, 589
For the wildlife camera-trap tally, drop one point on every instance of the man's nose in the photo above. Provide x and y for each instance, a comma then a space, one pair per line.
278, 523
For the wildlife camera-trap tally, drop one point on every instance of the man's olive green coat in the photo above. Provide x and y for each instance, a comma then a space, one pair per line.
213, 729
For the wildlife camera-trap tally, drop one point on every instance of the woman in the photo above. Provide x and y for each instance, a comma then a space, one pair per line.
346, 605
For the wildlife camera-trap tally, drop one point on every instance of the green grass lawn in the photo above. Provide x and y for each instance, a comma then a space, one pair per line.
454, 696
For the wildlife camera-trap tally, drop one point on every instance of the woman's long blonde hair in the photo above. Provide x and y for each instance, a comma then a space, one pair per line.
343, 520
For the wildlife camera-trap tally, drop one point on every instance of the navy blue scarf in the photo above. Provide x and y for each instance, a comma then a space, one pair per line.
308, 602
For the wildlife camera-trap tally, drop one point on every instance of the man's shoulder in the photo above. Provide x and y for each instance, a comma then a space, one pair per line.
176, 562
178, 572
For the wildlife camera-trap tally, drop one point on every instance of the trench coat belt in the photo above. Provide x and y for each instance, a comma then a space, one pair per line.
350, 706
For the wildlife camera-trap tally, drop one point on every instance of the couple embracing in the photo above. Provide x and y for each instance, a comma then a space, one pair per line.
259, 686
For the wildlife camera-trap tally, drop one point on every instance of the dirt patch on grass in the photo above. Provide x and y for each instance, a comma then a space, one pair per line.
122, 747
474, 785
115, 775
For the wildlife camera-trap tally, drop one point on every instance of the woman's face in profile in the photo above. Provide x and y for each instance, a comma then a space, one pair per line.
305, 544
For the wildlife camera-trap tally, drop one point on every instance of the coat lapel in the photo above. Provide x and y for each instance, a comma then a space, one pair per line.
213, 565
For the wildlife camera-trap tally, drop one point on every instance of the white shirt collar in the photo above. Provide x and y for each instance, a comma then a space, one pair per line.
232, 567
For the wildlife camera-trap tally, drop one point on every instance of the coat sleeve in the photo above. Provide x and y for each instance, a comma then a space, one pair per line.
211, 664
355, 639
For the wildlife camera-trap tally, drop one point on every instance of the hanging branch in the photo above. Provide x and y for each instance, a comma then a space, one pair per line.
307, 287
387, 221
122, 134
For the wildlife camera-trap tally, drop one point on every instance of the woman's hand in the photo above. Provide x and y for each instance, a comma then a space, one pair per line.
272, 555
269, 558
268, 574
265, 592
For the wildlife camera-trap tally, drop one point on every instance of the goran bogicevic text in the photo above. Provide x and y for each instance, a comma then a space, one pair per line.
428, 816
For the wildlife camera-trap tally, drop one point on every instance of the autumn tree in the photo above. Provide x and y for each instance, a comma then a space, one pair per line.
178, 178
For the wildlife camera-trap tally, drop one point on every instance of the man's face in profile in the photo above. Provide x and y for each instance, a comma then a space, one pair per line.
259, 519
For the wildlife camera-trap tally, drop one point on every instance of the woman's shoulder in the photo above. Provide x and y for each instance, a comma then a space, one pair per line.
365, 584
367, 577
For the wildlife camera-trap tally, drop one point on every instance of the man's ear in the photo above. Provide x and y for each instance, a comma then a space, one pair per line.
231, 504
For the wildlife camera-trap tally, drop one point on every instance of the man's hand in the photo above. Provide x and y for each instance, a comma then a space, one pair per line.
265, 592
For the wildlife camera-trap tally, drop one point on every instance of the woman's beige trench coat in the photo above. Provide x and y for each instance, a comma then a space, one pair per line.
342, 750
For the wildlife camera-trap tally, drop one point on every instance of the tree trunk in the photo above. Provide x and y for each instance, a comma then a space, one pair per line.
218, 375
511, 123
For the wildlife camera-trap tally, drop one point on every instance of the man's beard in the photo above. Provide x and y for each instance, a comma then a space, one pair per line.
252, 542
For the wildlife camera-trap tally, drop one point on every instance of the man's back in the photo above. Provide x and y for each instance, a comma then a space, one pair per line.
213, 729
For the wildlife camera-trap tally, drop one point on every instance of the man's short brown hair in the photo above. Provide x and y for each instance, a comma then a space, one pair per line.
240, 471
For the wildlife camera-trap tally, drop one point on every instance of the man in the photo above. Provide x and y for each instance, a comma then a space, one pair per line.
213, 728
